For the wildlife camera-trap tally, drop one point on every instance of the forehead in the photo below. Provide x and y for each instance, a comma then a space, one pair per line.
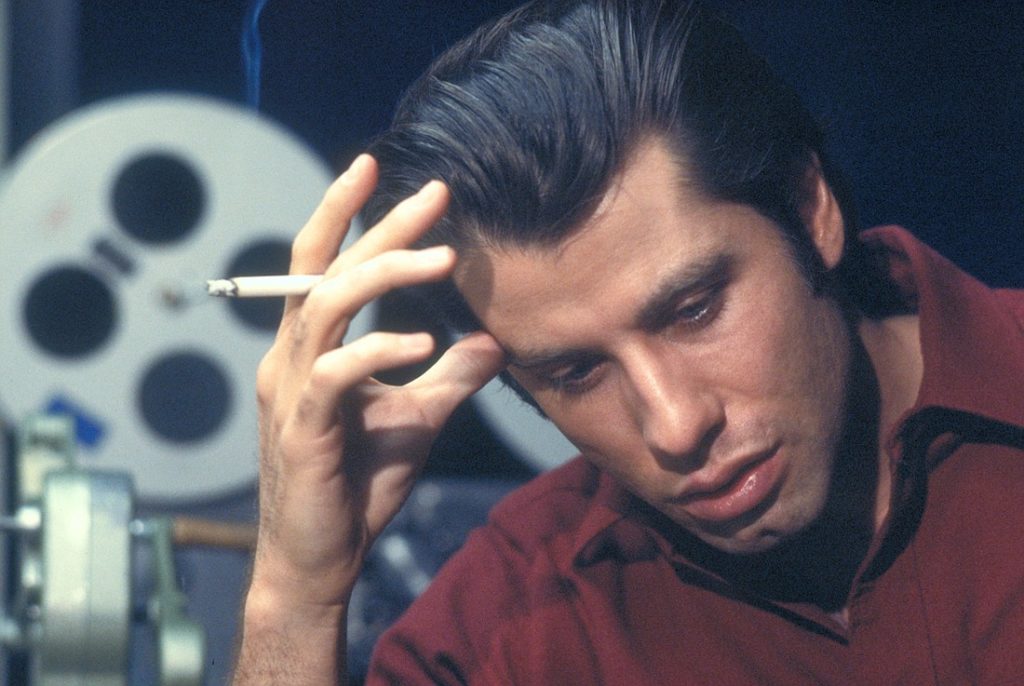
650, 225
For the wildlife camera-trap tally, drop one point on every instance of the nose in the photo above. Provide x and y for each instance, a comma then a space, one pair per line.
678, 413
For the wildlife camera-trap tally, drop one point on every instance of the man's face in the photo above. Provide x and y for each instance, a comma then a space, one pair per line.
676, 343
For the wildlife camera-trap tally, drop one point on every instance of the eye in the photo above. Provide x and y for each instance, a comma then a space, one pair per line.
694, 312
700, 310
574, 379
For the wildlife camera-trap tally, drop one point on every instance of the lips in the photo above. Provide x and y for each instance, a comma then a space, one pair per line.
733, 494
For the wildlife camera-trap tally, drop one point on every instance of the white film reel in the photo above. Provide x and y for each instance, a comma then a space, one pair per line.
113, 218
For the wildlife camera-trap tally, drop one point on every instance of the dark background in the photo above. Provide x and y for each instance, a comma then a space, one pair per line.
923, 100
924, 104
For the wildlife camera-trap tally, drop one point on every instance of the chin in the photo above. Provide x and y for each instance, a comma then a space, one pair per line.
761, 531
751, 544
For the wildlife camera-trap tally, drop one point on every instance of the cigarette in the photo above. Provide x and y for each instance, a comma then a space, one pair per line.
263, 286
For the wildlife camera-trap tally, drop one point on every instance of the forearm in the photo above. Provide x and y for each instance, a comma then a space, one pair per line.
289, 644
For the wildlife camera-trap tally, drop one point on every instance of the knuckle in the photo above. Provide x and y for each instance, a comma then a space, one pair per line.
303, 245
374, 269
266, 378
361, 352
315, 306
366, 352
326, 304
321, 374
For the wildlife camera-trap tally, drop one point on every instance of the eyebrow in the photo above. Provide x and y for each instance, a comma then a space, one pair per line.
693, 277
658, 309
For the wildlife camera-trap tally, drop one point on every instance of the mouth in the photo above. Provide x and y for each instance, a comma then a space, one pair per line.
728, 496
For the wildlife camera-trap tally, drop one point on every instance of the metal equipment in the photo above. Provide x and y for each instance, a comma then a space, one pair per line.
72, 612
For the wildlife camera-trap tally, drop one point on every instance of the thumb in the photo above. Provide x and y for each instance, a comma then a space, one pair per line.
461, 371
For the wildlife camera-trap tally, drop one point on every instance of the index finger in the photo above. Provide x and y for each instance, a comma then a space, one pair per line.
400, 228
318, 242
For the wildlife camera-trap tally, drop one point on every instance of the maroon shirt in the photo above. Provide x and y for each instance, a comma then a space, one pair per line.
572, 581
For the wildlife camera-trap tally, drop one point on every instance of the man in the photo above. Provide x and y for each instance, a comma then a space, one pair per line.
801, 451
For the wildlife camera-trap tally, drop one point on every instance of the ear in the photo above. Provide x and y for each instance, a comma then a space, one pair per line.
821, 215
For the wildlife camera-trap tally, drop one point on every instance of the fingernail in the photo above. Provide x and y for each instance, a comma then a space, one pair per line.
429, 192
418, 341
357, 167
439, 254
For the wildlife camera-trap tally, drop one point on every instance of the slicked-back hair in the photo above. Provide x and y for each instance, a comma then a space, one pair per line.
530, 118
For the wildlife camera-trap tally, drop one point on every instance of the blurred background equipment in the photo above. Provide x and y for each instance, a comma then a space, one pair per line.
71, 610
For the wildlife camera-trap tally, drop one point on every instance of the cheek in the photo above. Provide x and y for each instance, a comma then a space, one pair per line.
788, 343
593, 425
604, 431
803, 376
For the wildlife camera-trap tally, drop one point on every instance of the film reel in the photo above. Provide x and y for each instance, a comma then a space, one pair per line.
113, 219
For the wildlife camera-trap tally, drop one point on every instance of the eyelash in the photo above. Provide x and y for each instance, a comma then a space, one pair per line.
694, 315
701, 312
573, 382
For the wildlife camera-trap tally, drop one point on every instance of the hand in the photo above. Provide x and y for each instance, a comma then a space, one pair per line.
341, 451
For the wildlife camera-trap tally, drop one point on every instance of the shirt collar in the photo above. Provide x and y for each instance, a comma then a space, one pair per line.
972, 344
607, 531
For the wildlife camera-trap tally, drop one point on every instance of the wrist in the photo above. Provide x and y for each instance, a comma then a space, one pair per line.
272, 603
316, 584
289, 640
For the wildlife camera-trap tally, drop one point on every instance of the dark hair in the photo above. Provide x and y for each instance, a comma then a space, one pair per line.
529, 118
